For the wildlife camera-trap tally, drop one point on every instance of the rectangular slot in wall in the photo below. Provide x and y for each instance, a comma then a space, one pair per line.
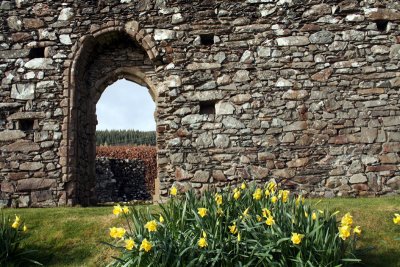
207, 107
36, 52
381, 25
207, 39
26, 125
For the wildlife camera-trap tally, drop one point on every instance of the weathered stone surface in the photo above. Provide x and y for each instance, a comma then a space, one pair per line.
33, 184
284, 173
10, 135
33, 23
66, 14
40, 64
65, 39
201, 176
292, 41
31, 166
219, 176
283, 83
241, 76
295, 126
224, 108
381, 14
391, 121
295, 94
205, 140
358, 178
394, 183
321, 37
26, 115
232, 123
244, 89
14, 23
24, 146
164, 34
222, 141
318, 10
323, 75
203, 66
23, 91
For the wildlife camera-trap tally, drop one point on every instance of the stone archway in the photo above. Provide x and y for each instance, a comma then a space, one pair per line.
103, 57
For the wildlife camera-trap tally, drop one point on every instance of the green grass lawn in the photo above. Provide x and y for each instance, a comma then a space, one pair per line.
72, 236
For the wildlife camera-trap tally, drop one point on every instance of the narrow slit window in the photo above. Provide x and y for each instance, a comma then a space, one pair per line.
381, 25
37, 52
207, 107
207, 39
26, 125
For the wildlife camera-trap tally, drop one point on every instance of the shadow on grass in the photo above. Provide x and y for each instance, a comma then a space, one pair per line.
62, 255
389, 258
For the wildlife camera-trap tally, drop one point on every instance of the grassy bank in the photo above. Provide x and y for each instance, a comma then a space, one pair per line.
72, 236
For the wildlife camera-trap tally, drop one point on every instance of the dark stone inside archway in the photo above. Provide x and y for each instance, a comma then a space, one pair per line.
103, 60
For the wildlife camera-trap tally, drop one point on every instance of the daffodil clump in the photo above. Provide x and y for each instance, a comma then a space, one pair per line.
12, 232
246, 225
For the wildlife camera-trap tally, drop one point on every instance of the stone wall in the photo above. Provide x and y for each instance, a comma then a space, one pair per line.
306, 92
119, 180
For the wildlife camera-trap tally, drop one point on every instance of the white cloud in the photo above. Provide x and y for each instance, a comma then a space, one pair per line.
126, 105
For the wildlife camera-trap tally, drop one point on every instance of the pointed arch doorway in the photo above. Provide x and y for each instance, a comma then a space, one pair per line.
102, 59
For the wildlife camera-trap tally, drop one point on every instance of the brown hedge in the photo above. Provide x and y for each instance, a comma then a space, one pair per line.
148, 154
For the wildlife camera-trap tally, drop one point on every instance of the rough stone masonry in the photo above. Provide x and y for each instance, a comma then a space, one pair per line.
305, 92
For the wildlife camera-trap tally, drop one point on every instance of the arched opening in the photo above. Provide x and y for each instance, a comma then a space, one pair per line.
125, 138
102, 59
125, 105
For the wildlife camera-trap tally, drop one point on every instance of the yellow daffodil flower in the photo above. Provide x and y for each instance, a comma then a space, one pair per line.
16, 223
396, 218
151, 226
259, 218
296, 238
306, 214
126, 210
257, 195
236, 194
161, 219
129, 244
243, 186
117, 210
239, 238
203, 233
202, 243
299, 200
218, 199
266, 212
117, 232
202, 212
347, 219
146, 245
285, 195
267, 193
246, 212
357, 230
272, 186
274, 199
24, 228
220, 212
233, 228
314, 216
173, 191
344, 232
270, 221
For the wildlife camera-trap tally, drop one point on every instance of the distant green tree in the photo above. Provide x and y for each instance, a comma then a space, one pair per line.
125, 137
